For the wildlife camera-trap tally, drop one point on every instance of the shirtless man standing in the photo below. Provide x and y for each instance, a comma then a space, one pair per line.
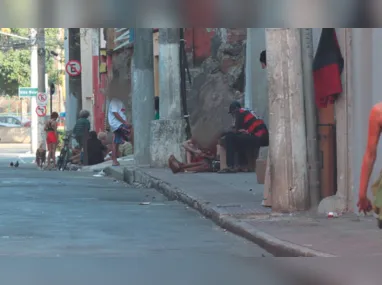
375, 127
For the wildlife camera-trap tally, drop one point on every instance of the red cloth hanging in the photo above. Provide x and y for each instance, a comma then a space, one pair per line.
328, 65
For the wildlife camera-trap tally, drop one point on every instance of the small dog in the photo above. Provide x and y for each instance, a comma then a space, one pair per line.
40, 156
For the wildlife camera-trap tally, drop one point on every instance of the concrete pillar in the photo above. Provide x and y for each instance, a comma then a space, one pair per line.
256, 85
87, 71
168, 133
169, 74
287, 151
311, 118
41, 135
74, 101
344, 125
143, 94
34, 84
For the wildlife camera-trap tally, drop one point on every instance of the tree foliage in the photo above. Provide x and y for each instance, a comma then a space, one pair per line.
15, 63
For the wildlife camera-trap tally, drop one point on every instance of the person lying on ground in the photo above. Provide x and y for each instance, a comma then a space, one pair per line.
250, 132
96, 150
198, 159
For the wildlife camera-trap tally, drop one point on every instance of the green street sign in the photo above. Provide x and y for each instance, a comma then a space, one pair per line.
27, 92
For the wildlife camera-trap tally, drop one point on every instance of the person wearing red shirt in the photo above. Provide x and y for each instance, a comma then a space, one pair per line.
249, 131
198, 159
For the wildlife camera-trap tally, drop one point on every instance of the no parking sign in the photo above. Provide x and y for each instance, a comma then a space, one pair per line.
41, 111
73, 67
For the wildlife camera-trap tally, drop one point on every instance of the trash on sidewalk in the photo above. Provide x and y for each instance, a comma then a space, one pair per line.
100, 174
332, 215
144, 203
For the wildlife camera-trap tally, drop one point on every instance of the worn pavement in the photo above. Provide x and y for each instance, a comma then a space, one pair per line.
96, 226
233, 201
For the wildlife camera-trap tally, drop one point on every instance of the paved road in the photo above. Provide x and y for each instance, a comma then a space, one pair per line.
95, 225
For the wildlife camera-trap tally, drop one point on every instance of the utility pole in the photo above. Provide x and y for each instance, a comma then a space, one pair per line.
34, 84
41, 79
143, 94
170, 104
311, 116
168, 133
287, 150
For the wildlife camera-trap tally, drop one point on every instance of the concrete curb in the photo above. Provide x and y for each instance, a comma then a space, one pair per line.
273, 245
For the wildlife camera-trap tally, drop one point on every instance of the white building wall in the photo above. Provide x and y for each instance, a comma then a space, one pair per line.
87, 71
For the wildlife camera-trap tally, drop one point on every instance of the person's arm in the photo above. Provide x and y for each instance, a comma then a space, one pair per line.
239, 123
371, 151
119, 118
115, 107
54, 126
188, 145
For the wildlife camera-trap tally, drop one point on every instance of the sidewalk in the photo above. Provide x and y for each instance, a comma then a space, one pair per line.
233, 201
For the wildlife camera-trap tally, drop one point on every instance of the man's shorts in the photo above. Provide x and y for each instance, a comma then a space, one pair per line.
122, 134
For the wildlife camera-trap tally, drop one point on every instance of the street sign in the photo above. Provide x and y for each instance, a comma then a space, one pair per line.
42, 99
73, 67
27, 92
41, 111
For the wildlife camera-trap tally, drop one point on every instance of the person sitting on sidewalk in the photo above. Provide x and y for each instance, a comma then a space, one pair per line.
96, 150
76, 155
81, 127
250, 131
198, 159
107, 142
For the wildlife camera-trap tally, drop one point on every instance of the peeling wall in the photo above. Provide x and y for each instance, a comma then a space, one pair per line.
218, 78
121, 62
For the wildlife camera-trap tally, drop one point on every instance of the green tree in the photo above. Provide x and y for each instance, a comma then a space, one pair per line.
15, 64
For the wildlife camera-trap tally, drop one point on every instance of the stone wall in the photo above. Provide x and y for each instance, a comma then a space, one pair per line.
219, 80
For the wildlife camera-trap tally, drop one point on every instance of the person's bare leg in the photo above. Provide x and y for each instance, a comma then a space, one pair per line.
201, 168
54, 147
189, 157
131, 138
114, 154
49, 154
192, 165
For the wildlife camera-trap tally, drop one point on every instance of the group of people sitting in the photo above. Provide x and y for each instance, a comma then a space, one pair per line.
248, 131
99, 149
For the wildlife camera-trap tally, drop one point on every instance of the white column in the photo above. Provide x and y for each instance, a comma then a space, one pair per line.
143, 94
168, 133
87, 71
169, 74
287, 151
34, 84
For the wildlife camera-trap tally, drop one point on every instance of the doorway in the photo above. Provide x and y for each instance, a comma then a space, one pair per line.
327, 150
